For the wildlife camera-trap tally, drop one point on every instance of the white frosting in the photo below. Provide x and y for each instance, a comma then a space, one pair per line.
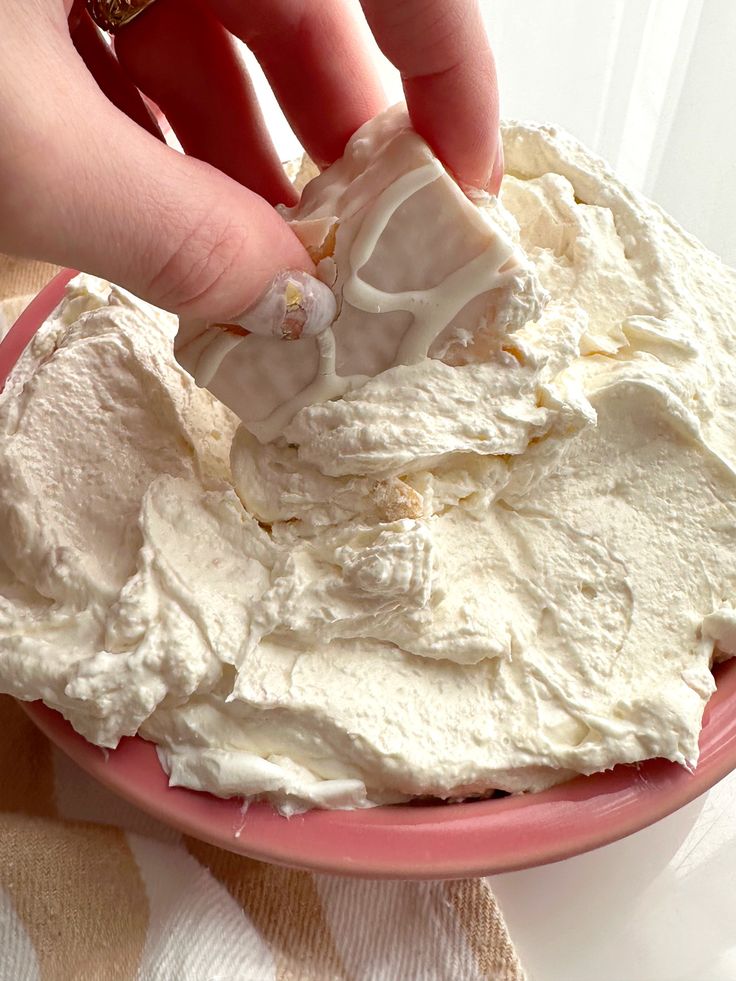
493, 567
417, 269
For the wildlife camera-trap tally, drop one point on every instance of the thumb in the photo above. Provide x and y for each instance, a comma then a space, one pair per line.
82, 185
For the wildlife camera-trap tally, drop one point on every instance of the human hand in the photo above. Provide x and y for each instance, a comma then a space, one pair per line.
84, 185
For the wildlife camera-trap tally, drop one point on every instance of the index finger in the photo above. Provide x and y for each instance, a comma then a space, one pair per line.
314, 58
442, 51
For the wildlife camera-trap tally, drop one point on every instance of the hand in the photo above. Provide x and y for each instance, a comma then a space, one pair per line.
84, 185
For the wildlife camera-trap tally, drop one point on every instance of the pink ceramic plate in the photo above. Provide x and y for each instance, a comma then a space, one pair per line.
403, 841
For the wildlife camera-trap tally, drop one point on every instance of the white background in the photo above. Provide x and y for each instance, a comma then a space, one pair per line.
650, 84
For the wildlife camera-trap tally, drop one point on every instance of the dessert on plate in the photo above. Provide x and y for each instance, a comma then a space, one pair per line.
478, 534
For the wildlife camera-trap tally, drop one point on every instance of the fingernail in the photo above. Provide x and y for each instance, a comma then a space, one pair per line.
294, 305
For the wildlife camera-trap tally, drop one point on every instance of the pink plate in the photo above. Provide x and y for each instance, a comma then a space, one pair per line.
403, 841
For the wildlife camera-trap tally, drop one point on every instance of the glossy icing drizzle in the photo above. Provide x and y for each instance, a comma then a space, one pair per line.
432, 309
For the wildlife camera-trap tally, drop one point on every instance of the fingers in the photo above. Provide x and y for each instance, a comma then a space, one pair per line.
183, 59
318, 67
102, 63
82, 185
494, 185
442, 52
323, 77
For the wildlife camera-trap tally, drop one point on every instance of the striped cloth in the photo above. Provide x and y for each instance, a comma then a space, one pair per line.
92, 889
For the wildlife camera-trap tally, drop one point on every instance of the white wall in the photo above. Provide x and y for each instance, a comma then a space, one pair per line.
649, 84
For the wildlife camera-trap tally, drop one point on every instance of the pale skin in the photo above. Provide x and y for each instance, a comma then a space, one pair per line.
84, 185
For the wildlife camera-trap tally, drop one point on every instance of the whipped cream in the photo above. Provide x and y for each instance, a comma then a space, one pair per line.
504, 558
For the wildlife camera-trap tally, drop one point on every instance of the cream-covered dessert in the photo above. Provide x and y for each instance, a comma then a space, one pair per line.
496, 559
418, 271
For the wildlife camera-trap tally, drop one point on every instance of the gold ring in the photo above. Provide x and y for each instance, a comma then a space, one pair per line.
111, 15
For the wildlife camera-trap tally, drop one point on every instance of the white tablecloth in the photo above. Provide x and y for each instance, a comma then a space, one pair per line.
657, 906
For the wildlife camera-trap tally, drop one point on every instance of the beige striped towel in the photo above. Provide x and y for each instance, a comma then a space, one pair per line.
91, 889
